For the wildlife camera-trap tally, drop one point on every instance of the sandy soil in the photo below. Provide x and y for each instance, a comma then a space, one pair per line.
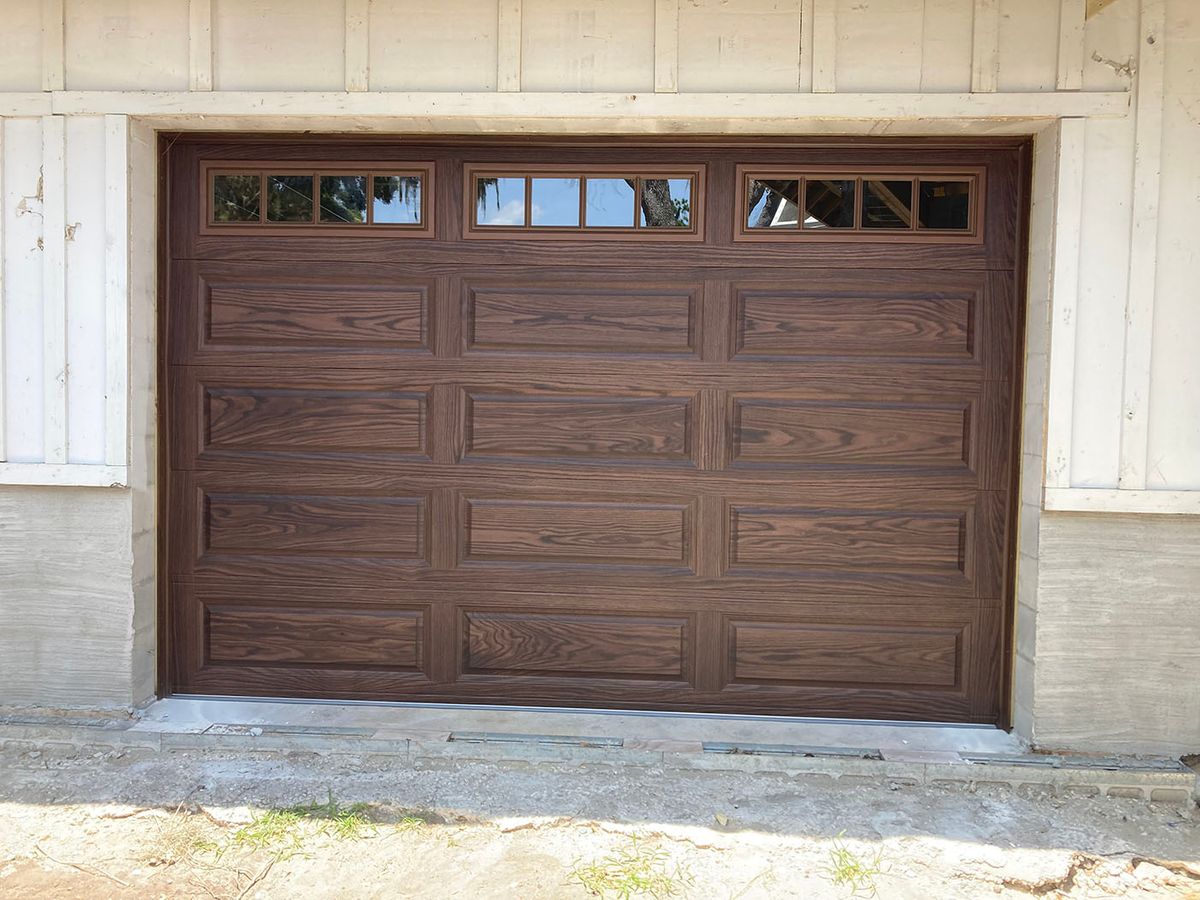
198, 824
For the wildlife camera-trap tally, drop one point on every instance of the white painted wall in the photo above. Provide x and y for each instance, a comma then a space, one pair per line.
63, 299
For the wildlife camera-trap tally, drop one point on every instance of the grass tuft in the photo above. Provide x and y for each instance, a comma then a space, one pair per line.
848, 869
638, 870
346, 823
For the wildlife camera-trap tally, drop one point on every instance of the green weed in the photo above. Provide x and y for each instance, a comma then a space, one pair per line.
846, 868
638, 870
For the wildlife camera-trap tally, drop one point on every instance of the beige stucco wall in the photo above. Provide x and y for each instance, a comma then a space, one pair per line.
1118, 634
66, 595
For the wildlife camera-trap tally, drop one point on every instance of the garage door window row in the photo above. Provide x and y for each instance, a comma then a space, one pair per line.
860, 205
327, 197
592, 202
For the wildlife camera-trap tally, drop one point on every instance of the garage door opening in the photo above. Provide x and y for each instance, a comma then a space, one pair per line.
692, 427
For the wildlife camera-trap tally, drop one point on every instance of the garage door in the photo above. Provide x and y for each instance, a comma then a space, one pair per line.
685, 427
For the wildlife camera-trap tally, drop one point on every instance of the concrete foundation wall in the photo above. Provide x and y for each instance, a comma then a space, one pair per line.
1118, 634
66, 598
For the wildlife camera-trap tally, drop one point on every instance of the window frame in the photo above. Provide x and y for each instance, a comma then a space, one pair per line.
582, 232
975, 176
210, 169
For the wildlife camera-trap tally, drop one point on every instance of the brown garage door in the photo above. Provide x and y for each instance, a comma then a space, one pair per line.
693, 427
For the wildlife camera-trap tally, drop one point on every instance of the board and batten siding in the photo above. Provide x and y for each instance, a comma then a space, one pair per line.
1122, 395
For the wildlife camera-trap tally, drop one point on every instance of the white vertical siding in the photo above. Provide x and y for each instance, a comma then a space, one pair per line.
150, 41
594, 46
21, 46
63, 299
1174, 430
22, 233
275, 45
85, 289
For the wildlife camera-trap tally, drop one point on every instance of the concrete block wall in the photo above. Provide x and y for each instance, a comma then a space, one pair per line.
1118, 634
66, 598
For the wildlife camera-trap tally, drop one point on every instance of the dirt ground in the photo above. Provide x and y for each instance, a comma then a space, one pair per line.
232, 825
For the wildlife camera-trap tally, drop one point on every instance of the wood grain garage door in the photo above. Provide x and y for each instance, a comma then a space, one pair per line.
722, 468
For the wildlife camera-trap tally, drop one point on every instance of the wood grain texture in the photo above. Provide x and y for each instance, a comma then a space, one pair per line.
805, 538
714, 475
574, 646
248, 635
567, 532
344, 526
314, 316
598, 428
314, 421
571, 318
805, 323
886, 435
781, 651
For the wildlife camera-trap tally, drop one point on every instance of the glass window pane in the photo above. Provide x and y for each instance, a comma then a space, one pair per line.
887, 204
610, 202
555, 202
828, 203
396, 200
773, 204
666, 203
289, 198
945, 204
344, 199
500, 201
236, 198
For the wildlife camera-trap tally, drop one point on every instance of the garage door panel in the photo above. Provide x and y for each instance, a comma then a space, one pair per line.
600, 428
315, 315
781, 539
577, 532
315, 421
317, 525
571, 645
788, 321
771, 651
316, 638
616, 315
268, 417
798, 433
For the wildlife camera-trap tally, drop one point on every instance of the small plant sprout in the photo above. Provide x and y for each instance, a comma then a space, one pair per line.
848, 869
637, 870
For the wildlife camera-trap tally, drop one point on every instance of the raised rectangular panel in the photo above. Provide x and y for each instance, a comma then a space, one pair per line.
362, 315
783, 432
578, 645
844, 654
790, 539
317, 525
581, 319
571, 532
807, 323
314, 420
315, 637
602, 428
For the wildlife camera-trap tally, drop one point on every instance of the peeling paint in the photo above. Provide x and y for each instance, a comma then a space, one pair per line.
1125, 69
38, 196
